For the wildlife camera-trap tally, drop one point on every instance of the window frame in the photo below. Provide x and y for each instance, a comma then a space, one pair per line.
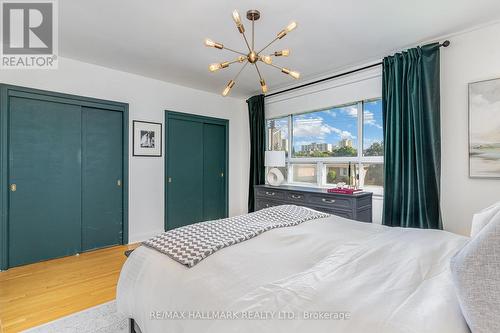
323, 162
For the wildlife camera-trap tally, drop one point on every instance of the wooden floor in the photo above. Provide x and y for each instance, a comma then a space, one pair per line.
38, 293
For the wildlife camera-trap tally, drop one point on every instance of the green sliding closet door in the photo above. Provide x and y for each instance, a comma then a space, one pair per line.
196, 163
185, 173
102, 164
214, 171
44, 177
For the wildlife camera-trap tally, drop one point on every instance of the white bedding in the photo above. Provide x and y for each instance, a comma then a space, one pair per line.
386, 279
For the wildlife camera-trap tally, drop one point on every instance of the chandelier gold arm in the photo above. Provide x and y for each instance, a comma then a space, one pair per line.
253, 34
262, 81
294, 74
265, 47
258, 71
246, 42
232, 82
237, 52
220, 65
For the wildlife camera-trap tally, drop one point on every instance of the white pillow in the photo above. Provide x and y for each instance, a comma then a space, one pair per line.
481, 219
476, 276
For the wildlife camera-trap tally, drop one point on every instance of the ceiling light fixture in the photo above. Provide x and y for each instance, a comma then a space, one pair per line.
253, 56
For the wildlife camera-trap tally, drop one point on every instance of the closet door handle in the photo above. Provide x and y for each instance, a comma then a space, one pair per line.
119, 183
13, 187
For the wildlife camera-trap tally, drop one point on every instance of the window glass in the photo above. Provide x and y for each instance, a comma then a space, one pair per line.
372, 174
373, 135
338, 173
327, 133
277, 134
304, 173
284, 171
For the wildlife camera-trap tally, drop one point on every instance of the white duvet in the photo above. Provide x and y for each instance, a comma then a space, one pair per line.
378, 279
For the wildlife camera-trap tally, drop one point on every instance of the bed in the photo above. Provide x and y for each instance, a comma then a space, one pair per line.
325, 275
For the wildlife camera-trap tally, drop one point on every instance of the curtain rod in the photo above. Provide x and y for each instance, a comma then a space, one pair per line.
446, 43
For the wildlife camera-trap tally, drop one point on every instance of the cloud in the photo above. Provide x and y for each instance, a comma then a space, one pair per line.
316, 128
331, 113
304, 143
369, 119
350, 111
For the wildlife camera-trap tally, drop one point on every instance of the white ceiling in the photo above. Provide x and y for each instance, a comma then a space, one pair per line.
163, 39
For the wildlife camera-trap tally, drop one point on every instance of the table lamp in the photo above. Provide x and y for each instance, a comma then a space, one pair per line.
274, 159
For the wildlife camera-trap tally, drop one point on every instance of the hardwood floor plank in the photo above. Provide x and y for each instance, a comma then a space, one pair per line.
34, 294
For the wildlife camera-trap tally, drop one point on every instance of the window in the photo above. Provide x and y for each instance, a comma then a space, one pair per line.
327, 133
373, 140
321, 146
277, 134
277, 138
304, 173
337, 173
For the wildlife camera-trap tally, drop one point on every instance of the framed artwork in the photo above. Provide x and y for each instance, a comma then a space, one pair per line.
484, 129
146, 139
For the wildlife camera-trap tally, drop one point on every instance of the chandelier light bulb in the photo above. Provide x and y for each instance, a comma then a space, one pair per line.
291, 26
267, 59
236, 17
214, 67
263, 86
294, 74
226, 91
211, 43
284, 53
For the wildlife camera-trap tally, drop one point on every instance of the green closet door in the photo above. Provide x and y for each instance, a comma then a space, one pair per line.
102, 164
45, 166
214, 171
185, 173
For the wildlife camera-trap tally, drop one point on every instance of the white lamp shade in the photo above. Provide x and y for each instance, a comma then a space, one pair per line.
275, 158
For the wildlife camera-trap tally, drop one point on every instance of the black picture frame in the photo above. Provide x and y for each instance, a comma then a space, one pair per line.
159, 130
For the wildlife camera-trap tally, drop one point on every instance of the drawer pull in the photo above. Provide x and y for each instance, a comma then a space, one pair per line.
328, 200
296, 196
270, 193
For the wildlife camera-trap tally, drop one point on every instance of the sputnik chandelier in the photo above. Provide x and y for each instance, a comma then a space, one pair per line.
253, 56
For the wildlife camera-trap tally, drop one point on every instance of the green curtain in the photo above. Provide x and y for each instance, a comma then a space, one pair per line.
257, 121
412, 141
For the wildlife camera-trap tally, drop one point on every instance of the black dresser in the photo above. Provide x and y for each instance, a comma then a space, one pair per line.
355, 207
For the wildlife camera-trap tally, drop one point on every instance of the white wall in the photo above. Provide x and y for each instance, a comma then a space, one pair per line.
353, 88
147, 100
472, 56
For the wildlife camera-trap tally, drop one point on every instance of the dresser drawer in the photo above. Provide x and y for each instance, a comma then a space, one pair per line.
330, 201
264, 203
354, 207
296, 197
270, 193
